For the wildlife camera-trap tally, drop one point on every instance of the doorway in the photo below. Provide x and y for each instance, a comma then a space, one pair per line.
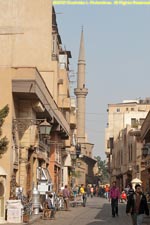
2, 200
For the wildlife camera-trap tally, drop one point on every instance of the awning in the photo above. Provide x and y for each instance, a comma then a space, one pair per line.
28, 83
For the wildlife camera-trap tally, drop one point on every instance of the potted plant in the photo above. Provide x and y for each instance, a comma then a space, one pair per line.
26, 213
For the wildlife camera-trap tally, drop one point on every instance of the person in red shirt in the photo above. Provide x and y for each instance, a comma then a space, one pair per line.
123, 197
114, 196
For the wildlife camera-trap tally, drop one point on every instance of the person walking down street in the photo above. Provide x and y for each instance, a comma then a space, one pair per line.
137, 205
106, 191
75, 190
88, 191
66, 195
92, 191
114, 196
130, 190
83, 193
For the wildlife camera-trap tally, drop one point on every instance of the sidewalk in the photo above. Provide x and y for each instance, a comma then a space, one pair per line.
74, 211
34, 218
97, 212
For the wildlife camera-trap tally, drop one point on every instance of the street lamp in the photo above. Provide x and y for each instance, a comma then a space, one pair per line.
40, 126
73, 156
45, 128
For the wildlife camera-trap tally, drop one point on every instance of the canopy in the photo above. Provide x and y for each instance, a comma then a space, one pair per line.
136, 181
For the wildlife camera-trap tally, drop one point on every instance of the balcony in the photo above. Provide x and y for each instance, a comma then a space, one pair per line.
64, 103
27, 83
135, 132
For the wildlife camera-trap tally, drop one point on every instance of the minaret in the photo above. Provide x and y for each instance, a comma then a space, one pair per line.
81, 93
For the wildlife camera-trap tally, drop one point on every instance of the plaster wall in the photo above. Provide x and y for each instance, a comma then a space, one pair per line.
26, 28
6, 161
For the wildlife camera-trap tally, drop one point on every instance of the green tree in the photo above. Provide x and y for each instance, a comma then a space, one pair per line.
103, 169
3, 141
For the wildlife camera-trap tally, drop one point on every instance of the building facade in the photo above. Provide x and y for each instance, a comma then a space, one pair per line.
42, 124
33, 80
145, 162
122, 140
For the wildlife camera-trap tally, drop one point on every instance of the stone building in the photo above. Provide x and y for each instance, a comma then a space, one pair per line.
41, 124
145, 151
122, 140
33, 79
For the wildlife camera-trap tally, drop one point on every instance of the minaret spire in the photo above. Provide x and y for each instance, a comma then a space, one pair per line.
81, 50
81, 92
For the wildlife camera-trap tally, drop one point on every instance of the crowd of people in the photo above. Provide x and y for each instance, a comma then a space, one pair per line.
136, 205
136, 201
67, 194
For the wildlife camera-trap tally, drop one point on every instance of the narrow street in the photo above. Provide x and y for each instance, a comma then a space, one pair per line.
97, 211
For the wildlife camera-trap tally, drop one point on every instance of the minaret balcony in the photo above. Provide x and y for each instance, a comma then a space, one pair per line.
81, 91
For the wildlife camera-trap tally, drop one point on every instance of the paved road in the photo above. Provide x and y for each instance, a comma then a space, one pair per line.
97, 212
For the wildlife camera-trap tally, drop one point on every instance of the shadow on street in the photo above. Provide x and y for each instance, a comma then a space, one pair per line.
104, 216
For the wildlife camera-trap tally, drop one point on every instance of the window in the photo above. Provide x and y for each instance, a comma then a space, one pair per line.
129, 153
43, 174
53, 45
130, 150
118, 110
134, 122
121, 156
132, 109
141, 120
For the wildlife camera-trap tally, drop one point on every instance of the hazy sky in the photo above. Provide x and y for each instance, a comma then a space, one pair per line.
117, 49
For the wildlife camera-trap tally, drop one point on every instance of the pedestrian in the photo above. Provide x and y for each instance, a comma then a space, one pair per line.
51, 206
75, 190
106, 191
96, 189
88, 191
114, 196
137, 205
66, 196
92, 191
130, 190
123, 197
83, 193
